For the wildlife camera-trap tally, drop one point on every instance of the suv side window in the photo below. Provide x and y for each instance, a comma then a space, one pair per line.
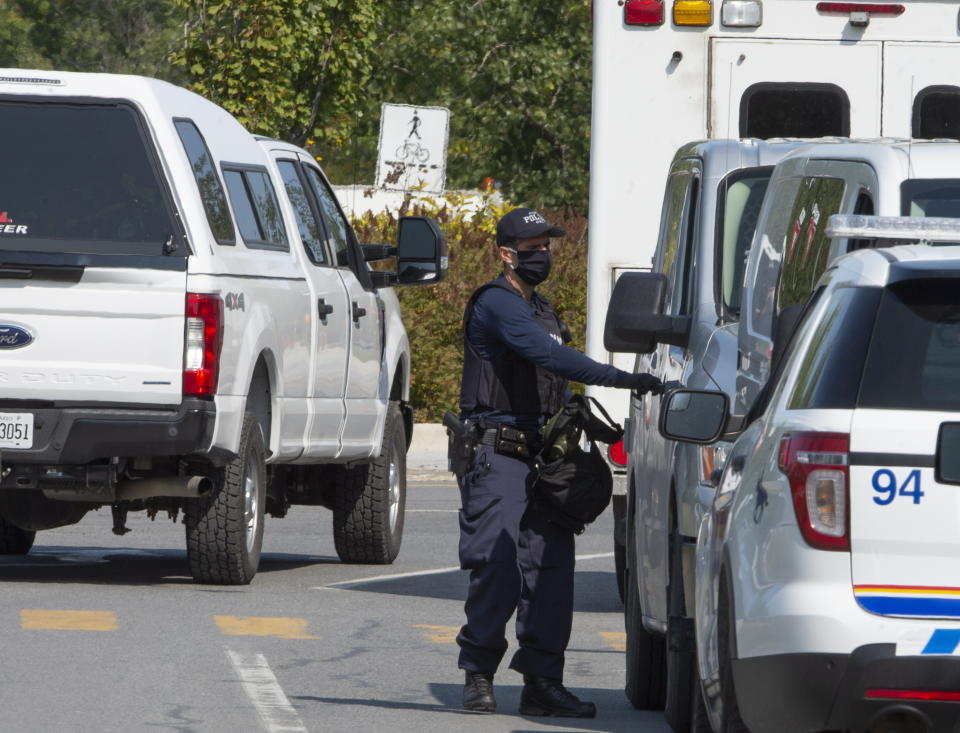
338, 232
828, 375
208, 182
255, 205
806, 255
310, 230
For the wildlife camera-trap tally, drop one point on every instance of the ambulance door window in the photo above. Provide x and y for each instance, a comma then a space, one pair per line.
771, 110
936, 113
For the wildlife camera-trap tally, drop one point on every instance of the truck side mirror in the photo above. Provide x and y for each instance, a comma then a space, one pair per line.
693, 416
421, 251
635, 323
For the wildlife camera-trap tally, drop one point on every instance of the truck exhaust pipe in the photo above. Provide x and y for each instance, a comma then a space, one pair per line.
900, 719
147, 488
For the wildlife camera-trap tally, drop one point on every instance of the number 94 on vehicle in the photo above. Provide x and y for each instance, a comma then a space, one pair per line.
16, 429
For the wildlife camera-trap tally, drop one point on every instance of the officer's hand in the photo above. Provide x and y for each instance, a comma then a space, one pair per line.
648, 383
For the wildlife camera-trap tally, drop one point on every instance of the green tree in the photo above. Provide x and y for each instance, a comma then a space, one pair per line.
517, 79
118, 36
293, 69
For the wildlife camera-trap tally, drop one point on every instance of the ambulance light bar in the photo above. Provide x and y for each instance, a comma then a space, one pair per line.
643, 12
902, 228
692, 12
741, 13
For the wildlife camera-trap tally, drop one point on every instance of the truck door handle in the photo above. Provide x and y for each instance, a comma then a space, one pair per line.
323, 309
358, 312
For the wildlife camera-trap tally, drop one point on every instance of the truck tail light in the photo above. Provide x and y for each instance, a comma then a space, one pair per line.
692, 12
203, 338
938, 695
643, 12
741, 13
817, 466
618, 453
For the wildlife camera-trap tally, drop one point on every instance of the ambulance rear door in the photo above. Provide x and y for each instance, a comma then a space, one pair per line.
764, 87
921, 96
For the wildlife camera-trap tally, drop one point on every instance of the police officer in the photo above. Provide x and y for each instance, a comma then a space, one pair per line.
515, 374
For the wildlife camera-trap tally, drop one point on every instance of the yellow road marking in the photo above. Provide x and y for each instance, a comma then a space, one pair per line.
280, 628
69, 620
439, 634
615, 640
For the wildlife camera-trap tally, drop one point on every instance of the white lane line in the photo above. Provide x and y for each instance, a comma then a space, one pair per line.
265, 693
436, 571
434, 511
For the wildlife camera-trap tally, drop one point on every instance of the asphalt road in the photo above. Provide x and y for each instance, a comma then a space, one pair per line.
102, 633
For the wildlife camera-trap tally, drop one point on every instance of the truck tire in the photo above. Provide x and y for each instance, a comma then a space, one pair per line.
620, 567
225, 527
369, 500
13, 540
646, 664
681, 663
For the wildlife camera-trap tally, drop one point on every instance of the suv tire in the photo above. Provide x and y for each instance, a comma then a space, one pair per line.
13, 540
730, 720
369, 501
225, 527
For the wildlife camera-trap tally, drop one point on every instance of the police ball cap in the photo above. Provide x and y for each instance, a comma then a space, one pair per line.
524, 224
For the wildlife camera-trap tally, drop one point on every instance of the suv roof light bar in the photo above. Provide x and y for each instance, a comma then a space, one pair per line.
902, 228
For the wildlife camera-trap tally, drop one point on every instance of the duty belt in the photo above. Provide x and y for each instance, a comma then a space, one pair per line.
511, 442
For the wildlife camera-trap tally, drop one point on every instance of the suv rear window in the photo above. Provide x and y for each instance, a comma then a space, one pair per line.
930, 197
80, 178
913, 362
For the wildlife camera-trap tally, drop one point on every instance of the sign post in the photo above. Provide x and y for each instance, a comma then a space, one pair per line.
413, 147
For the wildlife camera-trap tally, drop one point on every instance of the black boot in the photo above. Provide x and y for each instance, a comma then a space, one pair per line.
478, 693
547, 696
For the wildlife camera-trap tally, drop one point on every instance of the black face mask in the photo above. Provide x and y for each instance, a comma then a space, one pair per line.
534, 266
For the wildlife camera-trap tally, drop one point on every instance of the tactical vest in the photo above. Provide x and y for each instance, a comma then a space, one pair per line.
511, 383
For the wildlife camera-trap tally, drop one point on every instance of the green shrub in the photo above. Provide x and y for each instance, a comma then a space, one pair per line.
433, 315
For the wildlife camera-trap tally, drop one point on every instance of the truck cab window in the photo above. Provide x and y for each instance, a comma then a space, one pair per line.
741, 194
337, 230
794, 110
936, 113
310, 229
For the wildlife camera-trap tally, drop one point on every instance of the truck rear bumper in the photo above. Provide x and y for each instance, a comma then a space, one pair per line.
80, 435
796, 693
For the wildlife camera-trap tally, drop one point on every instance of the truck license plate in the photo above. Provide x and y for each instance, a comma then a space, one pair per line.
16, 429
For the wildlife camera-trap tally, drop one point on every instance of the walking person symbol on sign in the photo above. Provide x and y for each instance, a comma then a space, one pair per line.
413, 147
414, 124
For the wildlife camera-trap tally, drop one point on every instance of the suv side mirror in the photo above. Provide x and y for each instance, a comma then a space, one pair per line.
421, 254
635, 323
693, 416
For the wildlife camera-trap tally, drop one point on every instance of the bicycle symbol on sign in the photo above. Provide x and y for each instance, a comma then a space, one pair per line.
414, 151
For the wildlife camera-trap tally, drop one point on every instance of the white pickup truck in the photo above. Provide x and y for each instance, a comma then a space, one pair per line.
188, 324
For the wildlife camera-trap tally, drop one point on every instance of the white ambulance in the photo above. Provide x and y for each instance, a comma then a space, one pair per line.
666, 72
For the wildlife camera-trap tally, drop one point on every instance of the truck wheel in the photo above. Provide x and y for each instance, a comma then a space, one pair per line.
13, 540
646, 666
225, 527
370, 498
620, 567
680, 662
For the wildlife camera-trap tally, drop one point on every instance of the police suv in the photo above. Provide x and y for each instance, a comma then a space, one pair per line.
827, 590
188, 323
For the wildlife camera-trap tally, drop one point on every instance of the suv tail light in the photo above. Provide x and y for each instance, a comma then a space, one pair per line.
203, 337
618, 453
817, 466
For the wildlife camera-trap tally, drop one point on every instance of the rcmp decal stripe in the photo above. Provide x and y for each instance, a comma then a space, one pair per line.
943, 641
907, 600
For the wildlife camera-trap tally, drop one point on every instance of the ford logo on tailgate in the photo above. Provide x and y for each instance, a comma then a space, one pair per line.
13, 337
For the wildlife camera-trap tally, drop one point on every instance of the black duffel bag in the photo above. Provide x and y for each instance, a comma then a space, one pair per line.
576, 483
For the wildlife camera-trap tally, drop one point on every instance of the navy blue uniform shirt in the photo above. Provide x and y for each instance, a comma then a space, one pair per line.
502, 320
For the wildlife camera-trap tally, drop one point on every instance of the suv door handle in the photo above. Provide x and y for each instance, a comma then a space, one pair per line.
324, 310
358, 312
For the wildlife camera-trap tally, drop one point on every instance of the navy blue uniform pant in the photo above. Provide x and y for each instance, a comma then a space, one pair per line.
519, 561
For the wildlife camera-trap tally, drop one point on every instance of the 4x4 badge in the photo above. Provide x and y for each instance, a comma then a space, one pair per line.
13, 337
